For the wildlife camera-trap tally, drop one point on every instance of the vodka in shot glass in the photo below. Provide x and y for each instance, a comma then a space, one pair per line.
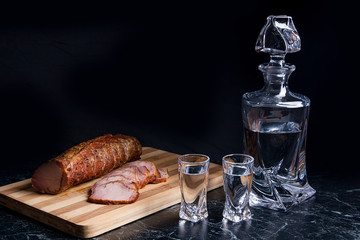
193, 176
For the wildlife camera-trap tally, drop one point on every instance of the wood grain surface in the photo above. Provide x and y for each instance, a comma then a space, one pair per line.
71, 212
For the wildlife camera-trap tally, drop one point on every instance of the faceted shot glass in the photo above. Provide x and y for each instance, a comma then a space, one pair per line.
237, 175
193, 176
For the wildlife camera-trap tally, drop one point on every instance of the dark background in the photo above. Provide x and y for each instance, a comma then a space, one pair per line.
170, 75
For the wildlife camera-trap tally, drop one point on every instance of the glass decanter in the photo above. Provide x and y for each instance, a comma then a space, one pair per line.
275, 123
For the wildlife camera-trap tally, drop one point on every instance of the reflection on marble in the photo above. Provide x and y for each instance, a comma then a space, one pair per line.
334, 213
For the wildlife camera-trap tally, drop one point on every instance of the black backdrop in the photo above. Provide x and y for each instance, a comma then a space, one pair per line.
171, 75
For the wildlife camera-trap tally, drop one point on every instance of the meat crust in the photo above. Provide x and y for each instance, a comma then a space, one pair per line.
85, 161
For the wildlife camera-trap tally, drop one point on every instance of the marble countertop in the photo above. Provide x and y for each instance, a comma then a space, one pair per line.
333, 213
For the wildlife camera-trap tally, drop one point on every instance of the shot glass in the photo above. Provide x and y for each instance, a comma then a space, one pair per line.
193, 176
237, 175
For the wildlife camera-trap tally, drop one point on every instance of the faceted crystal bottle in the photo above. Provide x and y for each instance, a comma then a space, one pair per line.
275, 123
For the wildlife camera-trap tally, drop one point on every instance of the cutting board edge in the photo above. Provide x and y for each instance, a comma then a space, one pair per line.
41, 216
91, 230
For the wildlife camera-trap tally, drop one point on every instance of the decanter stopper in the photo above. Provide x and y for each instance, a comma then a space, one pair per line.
278, 37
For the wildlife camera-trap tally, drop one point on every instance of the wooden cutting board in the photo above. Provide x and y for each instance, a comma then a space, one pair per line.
72, 213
